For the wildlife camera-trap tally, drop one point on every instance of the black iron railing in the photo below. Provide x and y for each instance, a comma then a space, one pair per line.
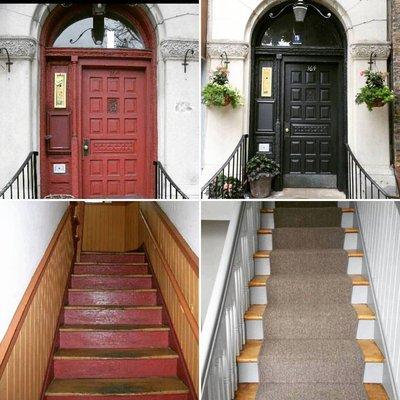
360, 184
229, 179
166, 188
23, 185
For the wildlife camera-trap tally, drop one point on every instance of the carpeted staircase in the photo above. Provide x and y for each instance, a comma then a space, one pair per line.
114, 342
310, 326
310, 347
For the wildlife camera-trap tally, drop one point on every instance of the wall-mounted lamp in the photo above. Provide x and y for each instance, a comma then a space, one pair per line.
300, 10
8, 63
371, 61
99, 11
185, 63
225, 59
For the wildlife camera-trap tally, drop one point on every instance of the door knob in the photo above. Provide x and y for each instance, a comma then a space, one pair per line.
287, 130
85, 147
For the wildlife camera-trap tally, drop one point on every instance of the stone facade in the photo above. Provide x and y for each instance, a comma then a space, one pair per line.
176, 27
365, 23
395, 36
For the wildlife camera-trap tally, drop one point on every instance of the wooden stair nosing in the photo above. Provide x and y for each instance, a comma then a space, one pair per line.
256, 311
261, 280
122, 387
112, 307
248, 391
112, 327
251, 350
269, 231
266, 253
271, 210
94, 290
112, 354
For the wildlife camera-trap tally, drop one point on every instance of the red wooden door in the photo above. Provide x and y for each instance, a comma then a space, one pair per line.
114, 132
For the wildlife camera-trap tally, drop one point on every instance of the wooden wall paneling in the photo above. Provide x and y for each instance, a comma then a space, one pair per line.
176, 271
104, 227
25, 349
132, 240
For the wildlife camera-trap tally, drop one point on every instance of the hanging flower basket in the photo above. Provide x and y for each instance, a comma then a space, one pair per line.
219, 93
375, 93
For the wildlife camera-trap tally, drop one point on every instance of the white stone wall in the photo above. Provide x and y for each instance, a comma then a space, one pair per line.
177, 29
230, 29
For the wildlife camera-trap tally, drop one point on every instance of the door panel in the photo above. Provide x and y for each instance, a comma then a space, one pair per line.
310, 124
113, 128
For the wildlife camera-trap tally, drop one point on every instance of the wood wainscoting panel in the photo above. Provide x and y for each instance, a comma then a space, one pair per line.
176, 270
26, 347
111, 227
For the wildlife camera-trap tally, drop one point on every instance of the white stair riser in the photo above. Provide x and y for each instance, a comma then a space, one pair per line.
258, 295
255, 330
262, 266
265, 241
373, 372
267, 220
360, 295
248, 372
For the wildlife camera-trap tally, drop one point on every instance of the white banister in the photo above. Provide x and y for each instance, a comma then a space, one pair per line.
223, 331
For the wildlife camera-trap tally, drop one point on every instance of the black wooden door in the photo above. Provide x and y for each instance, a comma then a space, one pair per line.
310, 124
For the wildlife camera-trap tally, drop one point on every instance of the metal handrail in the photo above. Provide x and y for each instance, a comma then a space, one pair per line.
233, 168
23, 185
165, 187
360, 184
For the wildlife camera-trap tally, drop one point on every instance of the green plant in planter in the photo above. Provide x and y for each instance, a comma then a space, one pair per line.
218, 92
261, 166
375, 93
223, 187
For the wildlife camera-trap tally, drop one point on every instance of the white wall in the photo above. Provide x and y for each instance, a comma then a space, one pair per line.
380, 228
185, 215
26, 228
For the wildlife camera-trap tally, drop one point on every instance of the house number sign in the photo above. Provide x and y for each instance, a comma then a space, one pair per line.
266, 82
60, 90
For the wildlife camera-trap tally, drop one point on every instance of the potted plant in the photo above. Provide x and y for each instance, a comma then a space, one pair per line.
218, 92
260, 170
375, 93
223, 187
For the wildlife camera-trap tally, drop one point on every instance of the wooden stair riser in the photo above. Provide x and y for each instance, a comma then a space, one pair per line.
255, 329
112, 297
265, 241
107, 316
115, 368
114, 339
267, 220
112, 257
110, 282
163, 396
139, 269
262, 266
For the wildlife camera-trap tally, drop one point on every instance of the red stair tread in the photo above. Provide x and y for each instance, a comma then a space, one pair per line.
125, 386
113, 327
111, 307
105, 354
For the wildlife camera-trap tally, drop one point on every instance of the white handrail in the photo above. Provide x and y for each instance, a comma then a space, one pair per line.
223, 331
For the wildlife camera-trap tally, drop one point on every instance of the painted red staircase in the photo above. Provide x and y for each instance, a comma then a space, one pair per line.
114, 341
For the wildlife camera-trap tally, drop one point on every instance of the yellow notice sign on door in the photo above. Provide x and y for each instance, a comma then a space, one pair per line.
266, 82
60, 90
